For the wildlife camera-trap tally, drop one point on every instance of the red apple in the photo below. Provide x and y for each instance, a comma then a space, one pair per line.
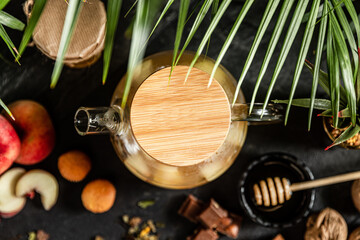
9, 144
36, 131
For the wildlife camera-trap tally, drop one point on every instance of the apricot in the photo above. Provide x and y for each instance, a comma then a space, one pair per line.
98, 196
74, 165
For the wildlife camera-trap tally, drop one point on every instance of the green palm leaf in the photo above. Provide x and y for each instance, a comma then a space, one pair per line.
267, 16
7, 110
10, 21
113, 12
284, 12
347, 134
309, 30
3, 3
35, 15
145, 14
319, 49
166, 8
214, 9
198, 20
232, 33
334, 73
355, 19
319, 104
9, 43
289, 39
72, 15
348, 34
224, 5
184, 7
345, 66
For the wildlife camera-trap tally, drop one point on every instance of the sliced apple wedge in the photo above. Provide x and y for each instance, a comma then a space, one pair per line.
41, 182
10, 204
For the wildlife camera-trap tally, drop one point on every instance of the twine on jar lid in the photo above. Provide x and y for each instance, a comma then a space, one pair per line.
88, 38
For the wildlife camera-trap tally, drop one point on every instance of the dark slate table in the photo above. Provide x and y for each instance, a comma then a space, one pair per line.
69, 220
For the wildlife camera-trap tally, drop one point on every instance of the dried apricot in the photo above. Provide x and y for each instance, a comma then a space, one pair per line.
98, 196
74, 165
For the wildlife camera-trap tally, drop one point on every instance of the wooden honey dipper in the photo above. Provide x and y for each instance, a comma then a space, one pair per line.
277, 191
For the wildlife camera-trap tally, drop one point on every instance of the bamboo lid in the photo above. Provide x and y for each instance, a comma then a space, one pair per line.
88, 38
180, 124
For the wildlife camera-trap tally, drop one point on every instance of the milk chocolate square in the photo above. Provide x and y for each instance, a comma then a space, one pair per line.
204, 234
210, 217
191, 208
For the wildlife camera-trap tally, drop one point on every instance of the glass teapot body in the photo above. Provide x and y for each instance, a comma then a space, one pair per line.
168, 171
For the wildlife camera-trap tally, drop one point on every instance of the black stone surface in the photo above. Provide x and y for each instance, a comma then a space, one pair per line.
69, 220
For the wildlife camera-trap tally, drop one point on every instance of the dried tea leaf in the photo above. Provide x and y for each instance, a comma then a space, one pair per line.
32, 236
125, 219
160, 225
145, 203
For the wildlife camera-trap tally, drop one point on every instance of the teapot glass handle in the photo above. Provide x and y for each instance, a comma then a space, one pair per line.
273, 113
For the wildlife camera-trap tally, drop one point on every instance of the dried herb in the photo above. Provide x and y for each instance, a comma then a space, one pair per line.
145, 203
32, 236
139, 230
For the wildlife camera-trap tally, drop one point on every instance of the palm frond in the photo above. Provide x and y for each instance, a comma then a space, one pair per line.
347, 134
348, 34
164, 11
224, 5
289, 39
3, 3
214, 9
284, 13
184, 7
145, 14
10, 21
7, 110
9, 43
113, 13
231, 36
309, 30
355, 18
72, 15
35, 15
267, 16
319, 104
345, 66
319, 49
334, 75
198, 20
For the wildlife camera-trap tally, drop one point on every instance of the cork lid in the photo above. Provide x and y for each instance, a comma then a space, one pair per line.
88, 38
180, 124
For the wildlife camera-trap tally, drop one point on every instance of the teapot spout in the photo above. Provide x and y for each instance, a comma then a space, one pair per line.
99, 120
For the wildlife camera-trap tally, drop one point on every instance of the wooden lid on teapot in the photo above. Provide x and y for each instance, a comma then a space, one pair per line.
180, 124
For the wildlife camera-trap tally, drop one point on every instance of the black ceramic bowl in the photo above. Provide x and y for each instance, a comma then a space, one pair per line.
272, 165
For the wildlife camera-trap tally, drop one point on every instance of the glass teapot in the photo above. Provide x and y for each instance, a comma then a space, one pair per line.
174, 134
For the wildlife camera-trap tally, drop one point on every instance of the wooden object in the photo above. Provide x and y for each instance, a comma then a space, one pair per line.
276, 191
180, 124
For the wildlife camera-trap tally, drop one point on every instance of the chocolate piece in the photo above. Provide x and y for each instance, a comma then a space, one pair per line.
212, 215
230, 225
204, 234
279, 237
191, 208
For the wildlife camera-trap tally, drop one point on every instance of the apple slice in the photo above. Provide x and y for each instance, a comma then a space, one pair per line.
10, 204
41, 182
